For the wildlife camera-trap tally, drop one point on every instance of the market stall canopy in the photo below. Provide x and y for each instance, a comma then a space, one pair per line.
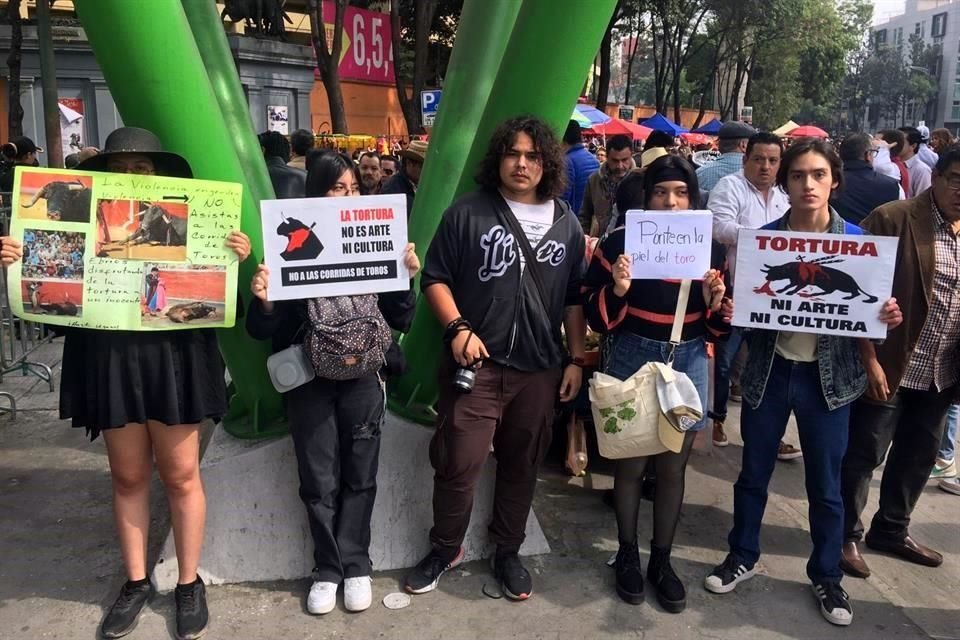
712, 128
588, 116
659, 122
696, 138
808, 131
785, 129
616, 126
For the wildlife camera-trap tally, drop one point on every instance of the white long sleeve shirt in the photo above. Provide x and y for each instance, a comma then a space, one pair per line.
920, 176
736, 204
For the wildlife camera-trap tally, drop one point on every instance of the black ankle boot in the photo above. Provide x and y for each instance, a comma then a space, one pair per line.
629, 574
670, 591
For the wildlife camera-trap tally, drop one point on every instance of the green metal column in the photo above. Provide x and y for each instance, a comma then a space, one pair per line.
485, 28
156, 76
211, 39
541, 72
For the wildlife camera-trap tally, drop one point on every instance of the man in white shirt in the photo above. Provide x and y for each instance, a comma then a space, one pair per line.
747, 199
920, 174
927, 155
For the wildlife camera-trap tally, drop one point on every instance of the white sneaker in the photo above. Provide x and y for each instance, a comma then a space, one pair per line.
357, 593
322, 598
950, 485
943, 469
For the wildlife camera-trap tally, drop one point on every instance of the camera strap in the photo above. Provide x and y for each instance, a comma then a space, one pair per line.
530, 259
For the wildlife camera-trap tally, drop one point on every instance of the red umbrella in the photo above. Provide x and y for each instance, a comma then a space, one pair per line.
616, 126
808, 131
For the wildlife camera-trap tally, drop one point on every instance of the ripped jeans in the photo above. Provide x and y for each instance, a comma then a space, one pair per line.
336, 436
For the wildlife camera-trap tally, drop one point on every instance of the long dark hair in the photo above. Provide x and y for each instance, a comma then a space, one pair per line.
323, 171
667, 168
554, 180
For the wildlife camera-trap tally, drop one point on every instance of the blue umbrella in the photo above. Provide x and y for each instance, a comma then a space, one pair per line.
661, 123
587, 116
712, 128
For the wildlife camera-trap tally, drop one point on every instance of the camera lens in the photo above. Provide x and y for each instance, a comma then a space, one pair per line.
464, 378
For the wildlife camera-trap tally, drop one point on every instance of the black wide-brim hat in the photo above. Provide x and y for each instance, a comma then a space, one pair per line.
142, 142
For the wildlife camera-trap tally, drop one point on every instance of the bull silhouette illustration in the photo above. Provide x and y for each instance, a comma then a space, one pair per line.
802, 274
302, 242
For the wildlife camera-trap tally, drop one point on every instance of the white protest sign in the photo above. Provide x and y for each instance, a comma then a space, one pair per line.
674, 245
325, 247
813, 282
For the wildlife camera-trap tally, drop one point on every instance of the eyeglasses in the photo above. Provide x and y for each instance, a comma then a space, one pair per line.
341, 189
953, 184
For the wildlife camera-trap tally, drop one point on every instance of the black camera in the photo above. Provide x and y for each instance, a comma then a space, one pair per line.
464, 378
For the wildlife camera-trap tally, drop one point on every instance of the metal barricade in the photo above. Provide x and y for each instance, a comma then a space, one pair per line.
18, 338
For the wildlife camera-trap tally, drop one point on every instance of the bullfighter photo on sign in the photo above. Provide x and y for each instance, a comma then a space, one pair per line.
813, 282
150, 255
134, 230
183, 294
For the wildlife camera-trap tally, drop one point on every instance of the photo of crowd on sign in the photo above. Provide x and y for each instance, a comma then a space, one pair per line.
53, 254
137, 230
64, 197
53, 271
182, 294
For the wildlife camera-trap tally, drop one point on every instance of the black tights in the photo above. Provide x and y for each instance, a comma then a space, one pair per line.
670, 469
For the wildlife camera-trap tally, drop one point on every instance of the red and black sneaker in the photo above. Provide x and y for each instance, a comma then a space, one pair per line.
426, 574
514, 579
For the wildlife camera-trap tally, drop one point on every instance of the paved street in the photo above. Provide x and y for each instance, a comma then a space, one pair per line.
59, 566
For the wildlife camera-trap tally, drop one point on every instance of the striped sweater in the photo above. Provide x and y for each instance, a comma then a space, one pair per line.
648, 308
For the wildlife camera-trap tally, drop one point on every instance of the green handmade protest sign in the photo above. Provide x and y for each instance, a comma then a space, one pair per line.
123, 251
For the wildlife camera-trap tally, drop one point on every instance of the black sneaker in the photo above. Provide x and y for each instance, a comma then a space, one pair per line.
192, 614
426, 575
834, 603
515, 580
725, 577
629, 574
125, 612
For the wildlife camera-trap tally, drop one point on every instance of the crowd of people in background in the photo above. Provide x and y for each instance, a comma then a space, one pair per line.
52, 254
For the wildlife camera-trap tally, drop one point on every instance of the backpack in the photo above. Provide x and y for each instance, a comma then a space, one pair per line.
347, 338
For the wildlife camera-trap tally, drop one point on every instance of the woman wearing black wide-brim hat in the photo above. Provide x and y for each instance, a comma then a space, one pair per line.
147, 392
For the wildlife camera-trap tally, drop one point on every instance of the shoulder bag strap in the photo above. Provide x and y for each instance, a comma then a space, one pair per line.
680, 314
520, 238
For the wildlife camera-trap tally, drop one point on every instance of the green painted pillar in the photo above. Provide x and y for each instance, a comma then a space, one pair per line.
485, 28
211, 39
156, 76
549, 53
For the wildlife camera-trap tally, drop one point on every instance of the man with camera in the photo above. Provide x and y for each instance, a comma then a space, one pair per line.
502, 274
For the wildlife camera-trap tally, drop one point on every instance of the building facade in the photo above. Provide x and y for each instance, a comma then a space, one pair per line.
936, 23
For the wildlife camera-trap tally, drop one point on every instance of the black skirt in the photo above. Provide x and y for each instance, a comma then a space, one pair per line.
113, 378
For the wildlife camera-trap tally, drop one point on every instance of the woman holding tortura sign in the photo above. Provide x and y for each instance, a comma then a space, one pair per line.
331, 358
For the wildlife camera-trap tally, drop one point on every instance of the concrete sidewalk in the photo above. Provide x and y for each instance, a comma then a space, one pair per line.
59, 567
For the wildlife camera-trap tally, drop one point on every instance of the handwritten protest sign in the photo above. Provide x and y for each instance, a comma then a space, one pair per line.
123, 251
813, 282
325, 247
669, 244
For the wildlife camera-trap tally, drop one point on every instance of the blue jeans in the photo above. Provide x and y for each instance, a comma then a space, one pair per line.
629, 352
726, 356
948, 447
793, 387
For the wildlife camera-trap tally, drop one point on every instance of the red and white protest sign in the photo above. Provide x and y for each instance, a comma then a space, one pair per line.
813, 282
